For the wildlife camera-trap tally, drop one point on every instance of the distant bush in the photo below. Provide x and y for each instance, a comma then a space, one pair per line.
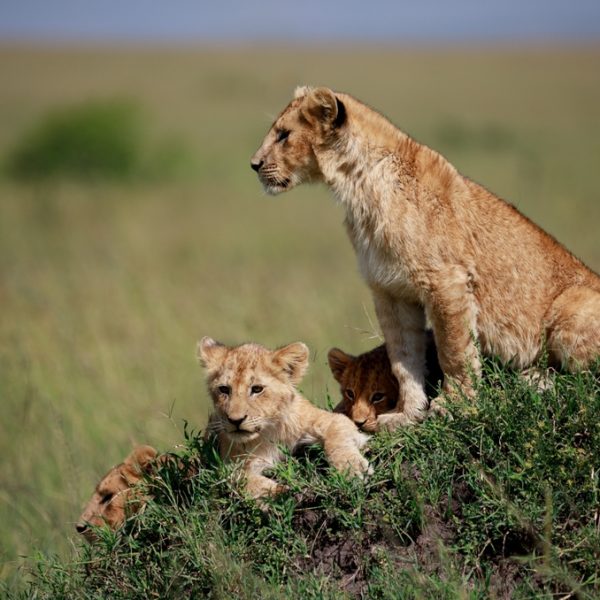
92, 140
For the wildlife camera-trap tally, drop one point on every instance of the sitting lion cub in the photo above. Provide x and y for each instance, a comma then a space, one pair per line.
368, 385
435, 247
115, 497
258, 410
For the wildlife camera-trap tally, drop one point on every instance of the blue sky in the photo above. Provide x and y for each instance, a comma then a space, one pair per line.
300, 20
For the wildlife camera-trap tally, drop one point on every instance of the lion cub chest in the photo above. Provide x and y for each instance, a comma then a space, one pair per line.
385, 250
384, 270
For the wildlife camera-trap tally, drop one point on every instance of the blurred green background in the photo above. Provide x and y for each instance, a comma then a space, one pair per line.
108, 278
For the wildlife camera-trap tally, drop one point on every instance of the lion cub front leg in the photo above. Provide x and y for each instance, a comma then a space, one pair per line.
257, 485
403, 327
342, 443
453, 314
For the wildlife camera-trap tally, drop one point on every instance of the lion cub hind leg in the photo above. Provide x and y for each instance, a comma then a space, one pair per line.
573, 333
342, 443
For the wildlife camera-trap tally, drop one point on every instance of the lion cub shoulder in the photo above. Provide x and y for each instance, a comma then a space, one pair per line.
258, 410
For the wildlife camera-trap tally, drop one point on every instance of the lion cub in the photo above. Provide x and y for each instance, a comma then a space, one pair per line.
115, 497
368, 385
435, 247
258, 409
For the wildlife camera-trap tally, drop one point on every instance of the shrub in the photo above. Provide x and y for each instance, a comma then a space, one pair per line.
92, 140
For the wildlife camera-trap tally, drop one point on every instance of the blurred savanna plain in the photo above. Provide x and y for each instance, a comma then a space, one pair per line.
106, 285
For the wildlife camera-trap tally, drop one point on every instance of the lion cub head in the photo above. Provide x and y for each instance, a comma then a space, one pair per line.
367, 383
286, 158
251, 386
115, 497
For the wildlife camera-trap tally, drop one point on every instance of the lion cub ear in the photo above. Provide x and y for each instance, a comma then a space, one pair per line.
338, 362
301, 91
210, 353
293, 359
321, 106
141, 458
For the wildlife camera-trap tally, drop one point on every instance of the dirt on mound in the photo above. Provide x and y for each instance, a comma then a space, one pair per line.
348, 556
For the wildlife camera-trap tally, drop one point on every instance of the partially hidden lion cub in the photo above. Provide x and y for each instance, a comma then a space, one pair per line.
434, 246
368, 386
258, 410
116, 497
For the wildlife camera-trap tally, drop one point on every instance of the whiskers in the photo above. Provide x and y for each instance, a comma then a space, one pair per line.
257, 424
220, 424
272, 177
265, 423
216, 424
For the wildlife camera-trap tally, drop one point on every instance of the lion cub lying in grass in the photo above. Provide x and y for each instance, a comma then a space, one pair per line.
116, 497
258, 410
368, 385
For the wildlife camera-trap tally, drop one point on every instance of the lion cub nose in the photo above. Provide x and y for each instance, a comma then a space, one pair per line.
81, 527
237, 422
256, 164
359, 424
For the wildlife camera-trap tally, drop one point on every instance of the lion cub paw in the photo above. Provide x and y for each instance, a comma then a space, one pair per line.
438, 408
354, 464
360, 467
393, 421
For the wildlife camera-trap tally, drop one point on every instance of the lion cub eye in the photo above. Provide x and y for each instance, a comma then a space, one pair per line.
377, 397
349, 394
224, 389
256, 389
282, 135
106, 498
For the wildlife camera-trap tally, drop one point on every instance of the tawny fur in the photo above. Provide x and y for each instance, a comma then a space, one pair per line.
258, 410
116, 497
435, 247
368, 386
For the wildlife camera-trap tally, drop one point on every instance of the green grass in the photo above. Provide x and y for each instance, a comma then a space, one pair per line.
105, 287
500, 501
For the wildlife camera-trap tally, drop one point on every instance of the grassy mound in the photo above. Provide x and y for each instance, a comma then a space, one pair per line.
502, 501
